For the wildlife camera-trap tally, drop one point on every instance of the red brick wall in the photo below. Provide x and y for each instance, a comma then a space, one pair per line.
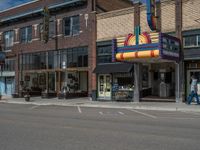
87, 36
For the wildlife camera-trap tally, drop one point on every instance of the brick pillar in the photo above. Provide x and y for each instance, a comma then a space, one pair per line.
92, 54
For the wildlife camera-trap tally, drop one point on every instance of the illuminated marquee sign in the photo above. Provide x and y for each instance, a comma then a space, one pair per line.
153, 45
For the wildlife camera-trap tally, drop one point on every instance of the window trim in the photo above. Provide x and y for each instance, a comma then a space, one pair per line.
9, 48
71, 25
27, 41
192, 46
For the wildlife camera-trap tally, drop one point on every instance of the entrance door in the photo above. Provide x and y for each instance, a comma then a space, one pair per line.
9, 85
52, 82
2, 86
197, 75
104, 86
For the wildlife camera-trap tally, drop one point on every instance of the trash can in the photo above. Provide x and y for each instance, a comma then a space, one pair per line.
94, 95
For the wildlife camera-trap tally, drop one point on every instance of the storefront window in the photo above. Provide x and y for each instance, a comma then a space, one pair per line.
74, 82
53, 59
73, 57
104, 54
145, 76
123, 85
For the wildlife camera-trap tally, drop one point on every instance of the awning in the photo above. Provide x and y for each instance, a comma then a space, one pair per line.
113, 68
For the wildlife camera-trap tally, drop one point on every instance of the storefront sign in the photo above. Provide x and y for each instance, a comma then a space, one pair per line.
152, 45
146, 46
170, 46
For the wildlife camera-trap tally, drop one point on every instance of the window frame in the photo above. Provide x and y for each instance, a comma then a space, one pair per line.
71, 25
4, 40
27, 34
192, 46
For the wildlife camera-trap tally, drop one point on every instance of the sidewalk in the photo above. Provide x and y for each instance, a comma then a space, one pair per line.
86, 102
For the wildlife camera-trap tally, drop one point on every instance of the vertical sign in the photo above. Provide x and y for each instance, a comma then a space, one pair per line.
151, 15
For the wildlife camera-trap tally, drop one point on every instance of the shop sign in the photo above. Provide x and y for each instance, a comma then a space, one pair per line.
170, 46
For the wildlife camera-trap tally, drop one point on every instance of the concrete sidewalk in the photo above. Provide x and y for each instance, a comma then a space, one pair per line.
87, 102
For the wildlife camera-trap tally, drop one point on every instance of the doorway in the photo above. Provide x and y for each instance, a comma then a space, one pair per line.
197, 75
104, 86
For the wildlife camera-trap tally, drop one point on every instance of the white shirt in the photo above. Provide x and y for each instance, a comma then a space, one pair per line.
194, 85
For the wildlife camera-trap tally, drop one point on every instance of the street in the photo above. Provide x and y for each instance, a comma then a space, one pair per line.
32, 127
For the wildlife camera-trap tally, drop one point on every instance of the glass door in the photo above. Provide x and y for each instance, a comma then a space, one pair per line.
197, 75
104, 86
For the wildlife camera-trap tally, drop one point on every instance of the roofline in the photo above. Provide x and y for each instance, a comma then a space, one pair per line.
37, 10
33, 1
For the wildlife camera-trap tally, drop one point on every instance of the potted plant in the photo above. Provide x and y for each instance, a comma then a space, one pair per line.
27, 95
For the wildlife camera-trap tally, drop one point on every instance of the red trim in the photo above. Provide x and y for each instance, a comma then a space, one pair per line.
122, 56
136, 54
127, 39
147, 37
152, 53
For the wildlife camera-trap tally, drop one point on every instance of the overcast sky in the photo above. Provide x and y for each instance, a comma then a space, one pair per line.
5, 4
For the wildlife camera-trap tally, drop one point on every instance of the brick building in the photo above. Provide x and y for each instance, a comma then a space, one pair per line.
119, 23
64, 63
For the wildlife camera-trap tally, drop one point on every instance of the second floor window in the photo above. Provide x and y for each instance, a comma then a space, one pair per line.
71, 26
8, 40
26, 34
191, 41
9, 65
104, 54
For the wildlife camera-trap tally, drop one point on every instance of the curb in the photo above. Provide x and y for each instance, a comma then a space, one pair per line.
136, 107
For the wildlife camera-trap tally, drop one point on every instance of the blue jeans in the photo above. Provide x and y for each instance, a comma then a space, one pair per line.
193, 94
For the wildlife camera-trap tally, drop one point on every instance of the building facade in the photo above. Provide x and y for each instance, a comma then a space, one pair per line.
63, 63
152, 74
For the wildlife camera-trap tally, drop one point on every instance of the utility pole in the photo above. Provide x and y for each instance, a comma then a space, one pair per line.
179, 66
137, 66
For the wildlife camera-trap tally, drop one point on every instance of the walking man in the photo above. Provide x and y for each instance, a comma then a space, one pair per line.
193, 92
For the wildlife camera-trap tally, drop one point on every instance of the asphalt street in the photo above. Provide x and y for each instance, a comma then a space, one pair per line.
31, 127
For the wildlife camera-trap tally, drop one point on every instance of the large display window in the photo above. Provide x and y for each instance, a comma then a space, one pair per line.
123, 86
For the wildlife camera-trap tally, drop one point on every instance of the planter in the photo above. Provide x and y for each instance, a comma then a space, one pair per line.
15, 95
27, 98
